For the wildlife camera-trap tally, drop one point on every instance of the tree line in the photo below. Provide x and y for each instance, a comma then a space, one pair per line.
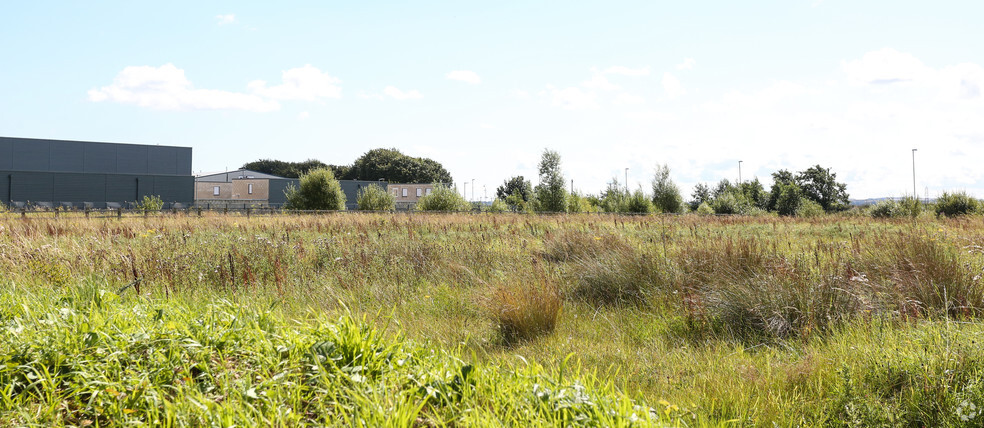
378, 164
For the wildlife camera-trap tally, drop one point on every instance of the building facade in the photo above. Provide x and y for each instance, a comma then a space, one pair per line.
245, 188
78, 174
406, 195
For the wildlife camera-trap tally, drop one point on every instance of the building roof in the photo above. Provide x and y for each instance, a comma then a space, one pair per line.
228, 176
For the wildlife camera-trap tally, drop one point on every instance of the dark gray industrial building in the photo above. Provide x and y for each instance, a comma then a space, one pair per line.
57, 173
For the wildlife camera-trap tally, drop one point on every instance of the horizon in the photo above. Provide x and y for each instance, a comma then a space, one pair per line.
485, 89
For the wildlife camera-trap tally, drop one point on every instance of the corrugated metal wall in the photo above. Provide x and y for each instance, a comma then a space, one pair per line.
77, 171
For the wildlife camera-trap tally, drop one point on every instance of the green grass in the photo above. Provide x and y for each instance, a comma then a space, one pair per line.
827, 321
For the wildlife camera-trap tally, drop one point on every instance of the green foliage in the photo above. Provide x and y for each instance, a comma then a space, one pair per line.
666, 194
754, 193
910, 206
293, 169
781, 180
613, 199
150, 203
809, 209
577, 203
885, 209
319, 190
395, 167
704, 209
518, 186
638, 203
788, 198
700, 196
498, 206
551, 195
820, 185
956, 204
374, 198
443, 198
727, 203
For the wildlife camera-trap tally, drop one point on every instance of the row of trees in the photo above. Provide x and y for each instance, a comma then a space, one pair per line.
377, 164
812, 190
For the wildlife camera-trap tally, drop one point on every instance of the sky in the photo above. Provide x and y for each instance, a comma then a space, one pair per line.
485, 87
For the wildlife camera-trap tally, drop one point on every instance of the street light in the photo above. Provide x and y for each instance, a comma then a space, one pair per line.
473, 190
739, 172
626, 181
914, 173
464, 193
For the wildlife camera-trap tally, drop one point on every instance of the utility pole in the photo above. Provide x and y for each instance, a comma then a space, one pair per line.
914, 194
626, 181
739, 172
473, 189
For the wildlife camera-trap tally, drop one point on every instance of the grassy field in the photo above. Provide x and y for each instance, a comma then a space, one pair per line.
434, 320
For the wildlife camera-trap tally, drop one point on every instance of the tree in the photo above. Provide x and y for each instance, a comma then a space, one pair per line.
550, 193
788, 198
754, 192
779, 178
821, 186
701, 195
443, 198
374, 198
516, 185
638, 202
394, 166
666, 194
292, 169
319, 190
612, 200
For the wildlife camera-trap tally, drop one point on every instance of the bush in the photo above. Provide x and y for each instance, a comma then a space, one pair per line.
638, 202
704, 209
374, 198
956, 204
809, 208
910, 206
319, 190
788, 200
443, 198
498, 206
885, 209
150, 203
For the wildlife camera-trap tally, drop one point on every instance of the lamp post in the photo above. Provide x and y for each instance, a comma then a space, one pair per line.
914, 173
739, 172
626, 181
473, 190
464, 193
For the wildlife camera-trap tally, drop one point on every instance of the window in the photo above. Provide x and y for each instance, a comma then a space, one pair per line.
404, 193
396, 191
249, 188
429, 191
420, 192
215, 190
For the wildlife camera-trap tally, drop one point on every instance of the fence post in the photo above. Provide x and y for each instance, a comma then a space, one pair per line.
86, 212
119, 213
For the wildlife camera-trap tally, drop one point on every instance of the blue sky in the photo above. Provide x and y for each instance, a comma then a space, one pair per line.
484, 87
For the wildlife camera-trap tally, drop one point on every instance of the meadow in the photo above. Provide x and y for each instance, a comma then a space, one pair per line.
491, 319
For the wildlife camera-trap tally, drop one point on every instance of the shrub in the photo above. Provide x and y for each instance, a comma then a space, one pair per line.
885, 209
443, 198
788, 200
150, 203
704, 209
910, 206
319, 190
374, 198
809, 208
956, 204
638, 202
497, 206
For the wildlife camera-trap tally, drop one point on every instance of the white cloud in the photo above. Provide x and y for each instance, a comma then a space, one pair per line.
687, 64
599, 82
885, 67
402, 95
226, 19
167, 88
464, 76
519, 94
572, 98
486, 126
304, 83
304, 115
628, 99
672, 86
626, 71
